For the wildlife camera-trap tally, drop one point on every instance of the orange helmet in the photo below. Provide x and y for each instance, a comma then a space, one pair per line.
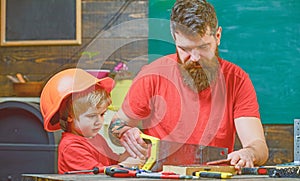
62, 85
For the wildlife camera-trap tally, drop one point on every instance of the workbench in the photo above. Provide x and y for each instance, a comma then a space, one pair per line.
82, 177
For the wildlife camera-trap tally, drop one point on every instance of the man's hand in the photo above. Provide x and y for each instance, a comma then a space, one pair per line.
123, 131
240, 158
134, 144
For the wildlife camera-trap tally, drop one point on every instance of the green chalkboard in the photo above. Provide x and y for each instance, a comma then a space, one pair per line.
262, 37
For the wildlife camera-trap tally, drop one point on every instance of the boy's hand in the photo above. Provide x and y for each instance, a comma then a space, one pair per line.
134, 144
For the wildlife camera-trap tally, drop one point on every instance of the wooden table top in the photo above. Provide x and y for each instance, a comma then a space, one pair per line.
82, 177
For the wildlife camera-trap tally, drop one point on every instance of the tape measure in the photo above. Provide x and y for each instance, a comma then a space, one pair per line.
296, 141
287, 172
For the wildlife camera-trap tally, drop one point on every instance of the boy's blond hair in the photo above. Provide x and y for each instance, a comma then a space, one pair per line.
78, 103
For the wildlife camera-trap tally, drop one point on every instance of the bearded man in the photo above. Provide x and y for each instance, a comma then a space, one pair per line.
193, 96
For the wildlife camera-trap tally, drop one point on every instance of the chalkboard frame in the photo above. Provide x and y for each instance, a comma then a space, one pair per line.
75, 40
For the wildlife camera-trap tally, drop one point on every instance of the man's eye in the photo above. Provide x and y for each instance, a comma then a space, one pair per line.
184, 49
203, 47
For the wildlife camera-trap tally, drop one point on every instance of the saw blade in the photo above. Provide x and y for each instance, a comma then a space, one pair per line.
172, 153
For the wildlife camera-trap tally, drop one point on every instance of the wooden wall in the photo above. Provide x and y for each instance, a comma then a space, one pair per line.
98, 16
280, 140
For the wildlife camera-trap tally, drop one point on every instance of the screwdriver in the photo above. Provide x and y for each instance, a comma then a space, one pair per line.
122, 172
256, 170
109, 170
209, 174
95, 170
163, 176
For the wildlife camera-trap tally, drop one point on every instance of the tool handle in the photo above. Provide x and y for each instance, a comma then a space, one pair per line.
20, 77
255, 171
119, 172
208, 174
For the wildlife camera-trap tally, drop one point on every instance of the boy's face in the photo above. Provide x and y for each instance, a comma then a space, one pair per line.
90, 122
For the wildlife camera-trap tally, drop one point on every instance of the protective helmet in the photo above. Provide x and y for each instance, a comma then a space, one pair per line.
63, 84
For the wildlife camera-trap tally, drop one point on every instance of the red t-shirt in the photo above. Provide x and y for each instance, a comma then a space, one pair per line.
80, 153
172, 111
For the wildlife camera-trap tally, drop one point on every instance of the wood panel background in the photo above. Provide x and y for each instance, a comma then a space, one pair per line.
280, 140
40, 62
98, 16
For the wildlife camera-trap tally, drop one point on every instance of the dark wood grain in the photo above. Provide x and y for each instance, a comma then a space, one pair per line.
41, 62
280, 140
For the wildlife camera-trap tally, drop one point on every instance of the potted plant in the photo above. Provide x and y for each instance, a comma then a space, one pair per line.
123, 80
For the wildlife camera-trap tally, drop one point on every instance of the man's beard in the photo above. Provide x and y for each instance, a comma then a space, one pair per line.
200, 75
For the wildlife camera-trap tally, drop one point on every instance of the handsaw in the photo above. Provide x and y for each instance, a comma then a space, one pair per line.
164, 152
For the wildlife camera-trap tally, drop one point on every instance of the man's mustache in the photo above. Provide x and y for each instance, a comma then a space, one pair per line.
195, 65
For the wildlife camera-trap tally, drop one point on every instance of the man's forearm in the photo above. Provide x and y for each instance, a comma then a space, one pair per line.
118, 127
259, 150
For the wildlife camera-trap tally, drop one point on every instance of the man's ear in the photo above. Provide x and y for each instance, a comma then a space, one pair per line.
219, 34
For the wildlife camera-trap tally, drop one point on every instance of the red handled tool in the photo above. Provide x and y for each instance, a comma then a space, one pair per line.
255, 171
123, 172
120, 172
210, 174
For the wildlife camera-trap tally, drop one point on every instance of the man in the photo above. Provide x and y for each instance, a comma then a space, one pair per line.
193, 96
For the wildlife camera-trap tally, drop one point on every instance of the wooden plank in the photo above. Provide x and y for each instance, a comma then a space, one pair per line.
188, 170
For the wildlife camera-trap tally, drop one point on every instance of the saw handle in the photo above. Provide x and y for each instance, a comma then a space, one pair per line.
154, 150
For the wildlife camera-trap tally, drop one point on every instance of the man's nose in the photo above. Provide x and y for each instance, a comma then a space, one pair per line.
195, 55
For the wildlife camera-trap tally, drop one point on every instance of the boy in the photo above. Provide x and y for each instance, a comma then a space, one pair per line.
75, 101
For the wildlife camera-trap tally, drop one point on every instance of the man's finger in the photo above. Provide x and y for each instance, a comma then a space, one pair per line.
128, 149
141, 149
249, 164
217, 162
135, 146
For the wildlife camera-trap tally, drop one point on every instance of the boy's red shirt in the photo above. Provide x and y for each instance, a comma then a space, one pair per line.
80, 153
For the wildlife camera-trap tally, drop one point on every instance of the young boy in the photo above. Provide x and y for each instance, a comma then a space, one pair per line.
75, 101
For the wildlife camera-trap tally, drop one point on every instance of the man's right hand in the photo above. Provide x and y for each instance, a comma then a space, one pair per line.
134, 144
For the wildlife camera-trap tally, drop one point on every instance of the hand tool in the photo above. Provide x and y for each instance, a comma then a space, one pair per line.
173, 153
162, 176
95, 170
255, 170
20, 77
13, 79
209, 174
125, 173
285, 172
120, 172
